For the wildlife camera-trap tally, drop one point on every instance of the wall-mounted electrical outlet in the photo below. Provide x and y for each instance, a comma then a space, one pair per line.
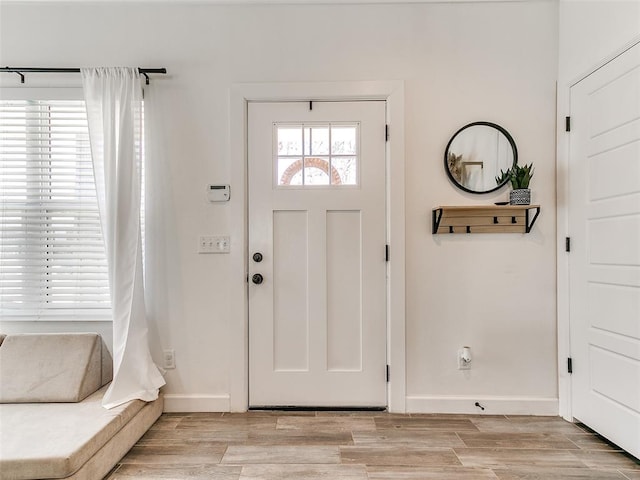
169, 357
464, 358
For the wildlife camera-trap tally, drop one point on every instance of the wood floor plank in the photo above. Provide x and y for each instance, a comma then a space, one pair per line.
428, 473
218, 424
359, 413
303, 472
517, 440
421, 438
331, 424
589, 441
427, 423
270, 413
199, 453
398, 455
242, 454
601, 459
167, 423
176, 472
546, 473
525, 425
297, 437
498, 457
186, 437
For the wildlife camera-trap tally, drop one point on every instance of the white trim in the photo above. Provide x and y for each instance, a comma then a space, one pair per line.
493, 405
174, 403
272, 2
393, 93
562, 257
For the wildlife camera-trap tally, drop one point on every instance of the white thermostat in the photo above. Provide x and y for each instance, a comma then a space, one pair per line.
218, 193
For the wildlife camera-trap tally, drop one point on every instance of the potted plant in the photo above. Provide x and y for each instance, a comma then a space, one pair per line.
519, 176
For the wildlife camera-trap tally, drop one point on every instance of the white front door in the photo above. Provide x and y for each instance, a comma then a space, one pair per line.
604, 210
317, 270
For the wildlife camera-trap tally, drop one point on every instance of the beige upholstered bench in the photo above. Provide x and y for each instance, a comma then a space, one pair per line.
52, 423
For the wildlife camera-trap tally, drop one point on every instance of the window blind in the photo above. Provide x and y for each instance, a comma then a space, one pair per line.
52, 257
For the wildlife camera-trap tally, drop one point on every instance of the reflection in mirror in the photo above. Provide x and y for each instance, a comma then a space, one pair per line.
476, 154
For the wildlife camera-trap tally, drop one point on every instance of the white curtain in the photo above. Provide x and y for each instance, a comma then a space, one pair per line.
114, 106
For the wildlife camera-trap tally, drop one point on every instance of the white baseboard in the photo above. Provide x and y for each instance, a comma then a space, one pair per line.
174, 403
493, 405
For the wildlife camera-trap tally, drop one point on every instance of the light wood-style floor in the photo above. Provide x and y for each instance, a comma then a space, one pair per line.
369, 445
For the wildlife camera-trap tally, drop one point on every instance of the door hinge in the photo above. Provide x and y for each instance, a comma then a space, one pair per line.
567, 124
386, 253
570, 365
388, 373
567, 244
386, 133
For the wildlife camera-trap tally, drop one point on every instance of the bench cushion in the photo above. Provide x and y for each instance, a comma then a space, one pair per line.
52, 367
55, 440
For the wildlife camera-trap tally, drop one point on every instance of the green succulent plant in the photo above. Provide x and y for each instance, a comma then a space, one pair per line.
519, 176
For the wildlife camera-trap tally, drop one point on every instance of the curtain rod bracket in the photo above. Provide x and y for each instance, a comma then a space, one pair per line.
146, 77
8, 69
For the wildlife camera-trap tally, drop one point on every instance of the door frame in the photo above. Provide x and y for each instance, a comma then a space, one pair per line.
563, 155
392, 92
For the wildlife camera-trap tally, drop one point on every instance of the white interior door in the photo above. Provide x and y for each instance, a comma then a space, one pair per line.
317, 320
604, 220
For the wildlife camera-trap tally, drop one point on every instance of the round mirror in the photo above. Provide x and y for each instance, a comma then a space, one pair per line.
476, 154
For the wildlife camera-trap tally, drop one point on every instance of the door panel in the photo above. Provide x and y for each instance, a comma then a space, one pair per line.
291, 293
317, 323
344, 287
604, 212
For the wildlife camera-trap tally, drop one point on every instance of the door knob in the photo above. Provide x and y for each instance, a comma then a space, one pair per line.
257, 257
257, 279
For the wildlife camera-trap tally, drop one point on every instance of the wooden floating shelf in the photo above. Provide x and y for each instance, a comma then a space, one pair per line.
484, 219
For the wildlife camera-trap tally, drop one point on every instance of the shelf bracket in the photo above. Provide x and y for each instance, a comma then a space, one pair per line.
436, 216
529, 225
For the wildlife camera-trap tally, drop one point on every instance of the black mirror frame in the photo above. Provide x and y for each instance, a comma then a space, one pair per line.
486, 124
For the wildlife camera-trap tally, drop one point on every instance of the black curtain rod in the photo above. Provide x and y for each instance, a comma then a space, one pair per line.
20, 71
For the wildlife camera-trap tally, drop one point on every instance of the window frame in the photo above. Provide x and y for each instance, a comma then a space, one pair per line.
315, 157
38, 311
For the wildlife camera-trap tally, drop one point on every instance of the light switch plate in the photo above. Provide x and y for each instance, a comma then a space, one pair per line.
214, 244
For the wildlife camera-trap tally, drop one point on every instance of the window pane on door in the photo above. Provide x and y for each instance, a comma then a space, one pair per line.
346, 168
289, 171
344, 140
290, 140
316, 140
316, 171
316, 155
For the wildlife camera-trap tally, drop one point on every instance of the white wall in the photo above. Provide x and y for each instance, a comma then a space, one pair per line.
460, 63
591, 31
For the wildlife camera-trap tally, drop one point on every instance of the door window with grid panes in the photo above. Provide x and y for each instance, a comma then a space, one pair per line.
314, 155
